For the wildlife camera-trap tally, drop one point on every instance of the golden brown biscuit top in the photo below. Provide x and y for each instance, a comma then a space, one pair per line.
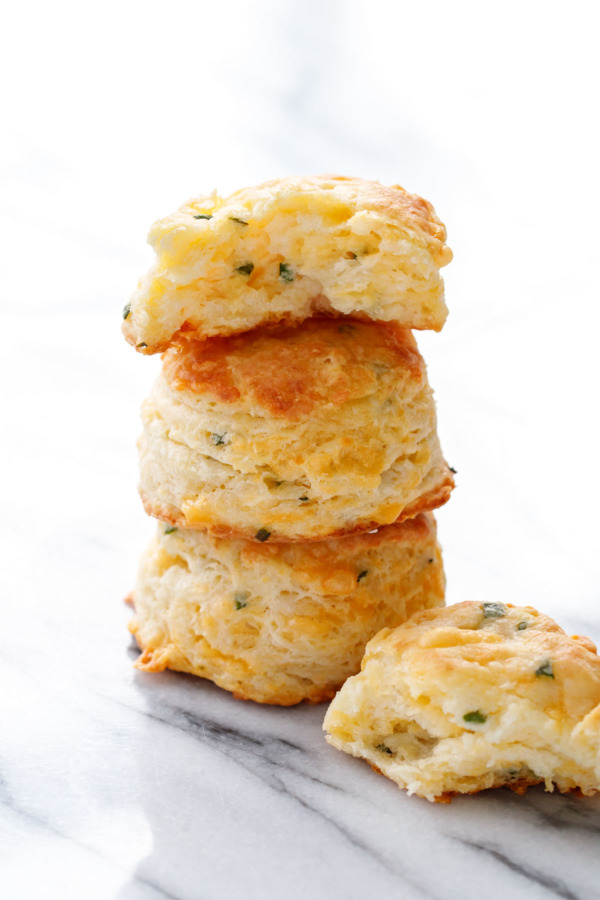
291, 371
516, 649
356, 193
335, 196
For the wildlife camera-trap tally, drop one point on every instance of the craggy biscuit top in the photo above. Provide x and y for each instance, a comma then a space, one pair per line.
503, 647
291, 373
335, 197
285, 251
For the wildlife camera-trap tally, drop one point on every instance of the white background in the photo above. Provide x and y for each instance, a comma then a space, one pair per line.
114, 113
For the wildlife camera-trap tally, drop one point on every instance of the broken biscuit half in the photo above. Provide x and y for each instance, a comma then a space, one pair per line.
474, 696
287, 250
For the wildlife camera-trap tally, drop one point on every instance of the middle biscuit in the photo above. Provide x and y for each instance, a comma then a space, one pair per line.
293, 433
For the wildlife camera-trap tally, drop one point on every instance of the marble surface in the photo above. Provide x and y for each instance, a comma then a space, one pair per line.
116, 784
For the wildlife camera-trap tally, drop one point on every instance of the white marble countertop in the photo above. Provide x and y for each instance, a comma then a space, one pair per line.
117, 784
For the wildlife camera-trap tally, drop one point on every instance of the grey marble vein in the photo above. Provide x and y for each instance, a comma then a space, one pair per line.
553, 886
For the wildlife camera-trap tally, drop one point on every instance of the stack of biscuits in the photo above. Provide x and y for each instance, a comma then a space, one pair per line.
290, 451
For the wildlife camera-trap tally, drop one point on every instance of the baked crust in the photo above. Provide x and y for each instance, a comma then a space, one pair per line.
291, 373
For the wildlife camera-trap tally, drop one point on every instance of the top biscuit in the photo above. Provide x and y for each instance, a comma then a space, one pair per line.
286, 250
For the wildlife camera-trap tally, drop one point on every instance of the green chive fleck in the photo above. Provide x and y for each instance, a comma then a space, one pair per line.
141, 345
246, 269
362, 575
262, 535
126, 310
453, 470
218, 439
202, 216
545, 669
522, 626
383, 749
239, 221
169, 529
493, 610
303, 499
430, 560
476, 716
241, 599
286, 273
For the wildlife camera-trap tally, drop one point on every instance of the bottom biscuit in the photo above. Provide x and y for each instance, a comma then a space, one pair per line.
279, 623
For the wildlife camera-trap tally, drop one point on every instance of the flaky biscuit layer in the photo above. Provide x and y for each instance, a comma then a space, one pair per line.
293, 433
286, 250
475, 696
279, 623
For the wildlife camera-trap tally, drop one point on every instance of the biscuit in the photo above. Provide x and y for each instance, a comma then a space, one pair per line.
286, 250
293, 433
279, 623
475, 696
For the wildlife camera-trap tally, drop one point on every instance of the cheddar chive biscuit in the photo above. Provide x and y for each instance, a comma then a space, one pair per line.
279, 623
293, 433
475, 696
285, 251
